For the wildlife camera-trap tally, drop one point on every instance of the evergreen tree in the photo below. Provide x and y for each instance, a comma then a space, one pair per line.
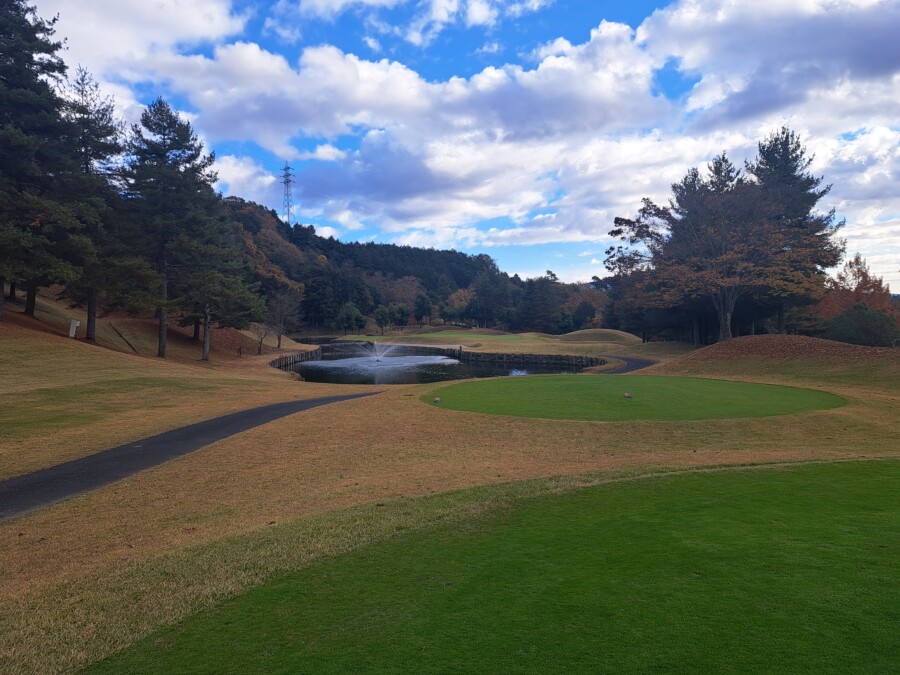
349, 318
384, 317
422, 309
169, 185
34, 214
96, 143
725, 237
804, 236
223, 298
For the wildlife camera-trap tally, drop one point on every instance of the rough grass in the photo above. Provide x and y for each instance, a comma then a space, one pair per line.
87, 577
650, 398
61, 398
803, 359
704, 572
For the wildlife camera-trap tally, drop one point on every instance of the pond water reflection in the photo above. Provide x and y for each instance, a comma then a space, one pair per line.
362, 365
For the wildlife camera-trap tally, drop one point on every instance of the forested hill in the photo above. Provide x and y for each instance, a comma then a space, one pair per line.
441, 272
334, 273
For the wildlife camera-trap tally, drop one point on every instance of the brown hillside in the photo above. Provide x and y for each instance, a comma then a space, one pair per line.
786, 347
791, 357
132, 335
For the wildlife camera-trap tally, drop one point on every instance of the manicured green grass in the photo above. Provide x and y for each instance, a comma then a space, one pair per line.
455, 337
787, 570
591, 397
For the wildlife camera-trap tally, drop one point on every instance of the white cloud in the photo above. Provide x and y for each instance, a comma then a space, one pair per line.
490, 48
557, 148
323, 153
517, 9
131, 32
242, 176
326, 231
480, 13
329, 9
372, 44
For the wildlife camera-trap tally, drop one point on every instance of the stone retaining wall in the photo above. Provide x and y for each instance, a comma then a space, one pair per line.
286, 361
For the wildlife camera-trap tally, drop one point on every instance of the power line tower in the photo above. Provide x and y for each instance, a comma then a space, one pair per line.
287, 179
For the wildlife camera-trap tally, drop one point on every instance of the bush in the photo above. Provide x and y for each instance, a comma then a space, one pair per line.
860, 325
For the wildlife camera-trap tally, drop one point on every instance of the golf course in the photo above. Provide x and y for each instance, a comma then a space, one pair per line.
737, 511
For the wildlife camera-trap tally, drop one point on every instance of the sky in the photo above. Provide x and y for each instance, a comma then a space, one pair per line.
516, 128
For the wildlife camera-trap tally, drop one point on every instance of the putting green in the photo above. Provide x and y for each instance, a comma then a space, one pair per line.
593, 397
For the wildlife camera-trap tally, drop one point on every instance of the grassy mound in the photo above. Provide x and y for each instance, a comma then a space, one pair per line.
795, 357
792, 568
601, 335
603, 398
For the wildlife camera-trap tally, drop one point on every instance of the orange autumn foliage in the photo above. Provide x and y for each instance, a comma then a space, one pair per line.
855, 284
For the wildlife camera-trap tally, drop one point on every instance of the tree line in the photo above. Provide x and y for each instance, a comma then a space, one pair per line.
120, 217
732, 248
127, 218
348, 286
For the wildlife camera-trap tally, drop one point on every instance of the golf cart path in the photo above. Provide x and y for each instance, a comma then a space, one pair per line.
33, 491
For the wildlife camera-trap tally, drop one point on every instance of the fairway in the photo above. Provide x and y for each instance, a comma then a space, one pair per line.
787, 570
590, 397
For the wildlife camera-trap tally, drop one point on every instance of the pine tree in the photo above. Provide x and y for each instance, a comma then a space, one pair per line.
169, 184
727, 237
34, 215
96, 143
805, 238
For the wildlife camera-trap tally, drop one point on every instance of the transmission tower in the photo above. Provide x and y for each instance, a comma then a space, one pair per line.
287, 179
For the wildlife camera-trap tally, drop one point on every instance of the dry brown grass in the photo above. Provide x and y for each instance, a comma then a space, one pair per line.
89, 576
61, 399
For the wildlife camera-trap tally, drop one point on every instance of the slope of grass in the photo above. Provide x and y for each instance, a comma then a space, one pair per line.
601, 335
62, 398
800, 359
793, 569
86, 578
652, 398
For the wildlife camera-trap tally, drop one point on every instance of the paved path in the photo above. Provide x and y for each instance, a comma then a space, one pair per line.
34, 491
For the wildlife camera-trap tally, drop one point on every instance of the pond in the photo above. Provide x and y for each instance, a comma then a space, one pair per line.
373, 364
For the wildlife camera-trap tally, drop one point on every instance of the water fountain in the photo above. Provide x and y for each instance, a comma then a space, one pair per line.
379, 350
378, 363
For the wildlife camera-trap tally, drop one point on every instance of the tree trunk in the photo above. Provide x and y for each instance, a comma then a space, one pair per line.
196, 336
695, 332
2, 281
724, 301
279, 339
207, 321
782, 328
90, 331
163, 310
12, 291
30, 298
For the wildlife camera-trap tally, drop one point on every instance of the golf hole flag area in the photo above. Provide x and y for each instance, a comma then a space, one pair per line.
603, 398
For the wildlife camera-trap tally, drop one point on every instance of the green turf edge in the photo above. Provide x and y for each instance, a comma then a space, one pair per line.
113, 609
778, 636
202, 576
554, 403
